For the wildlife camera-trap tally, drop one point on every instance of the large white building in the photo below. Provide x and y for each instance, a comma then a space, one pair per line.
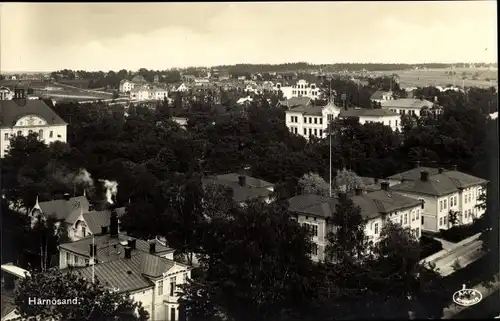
377, 208
301, 89
407, 106
443, 191
145, 269
21, 116
144, 92
307, 120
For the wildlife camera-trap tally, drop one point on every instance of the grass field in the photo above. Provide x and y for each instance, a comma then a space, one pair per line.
439, 77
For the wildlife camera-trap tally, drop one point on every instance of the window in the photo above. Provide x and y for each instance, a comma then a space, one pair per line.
76, 260
6, 136
465, 199
418, 213
172, 286
396, 123
465, 214
389, 123
310, 131
19, 133
311, 228
321, 132
330, 117
413, 216
422, 220
440, 206
376, 228
310, 120
305, 131
315, 132
68, 258
405, 218
184, 278
305, 120
314, 249
444, 204
440, 221
445, 220
84, 231
40, 133
51, 134
417, 232
321, 121
160, 287
86, 262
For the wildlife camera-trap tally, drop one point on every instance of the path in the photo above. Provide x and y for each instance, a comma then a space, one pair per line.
447, 245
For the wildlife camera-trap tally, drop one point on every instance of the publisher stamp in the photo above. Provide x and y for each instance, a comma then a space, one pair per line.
467, 297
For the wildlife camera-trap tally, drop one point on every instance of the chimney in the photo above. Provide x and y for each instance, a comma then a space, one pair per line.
417, 164
132, 243
66, 196
358, 191
454, 167
94, 247
440, 170
104, 230
113, 224
424, 176
384, 186
152, 247
242, 180
128, 252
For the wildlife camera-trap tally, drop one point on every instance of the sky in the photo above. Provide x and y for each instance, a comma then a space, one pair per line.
114, 36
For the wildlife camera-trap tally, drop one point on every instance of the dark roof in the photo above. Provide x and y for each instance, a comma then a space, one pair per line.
154, 266
437, 183
406, 103
414, 174
359, 112
12, 110
308, 110
96, 219
254, 187
296, 101
378, 94
372, 204
109, 248
69, 211
371, 184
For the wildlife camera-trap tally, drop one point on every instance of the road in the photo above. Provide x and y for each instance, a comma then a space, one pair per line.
465, 255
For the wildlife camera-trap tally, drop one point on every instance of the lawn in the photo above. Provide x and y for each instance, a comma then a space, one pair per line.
438, 77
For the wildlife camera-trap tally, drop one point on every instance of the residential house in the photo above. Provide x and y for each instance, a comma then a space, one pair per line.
91, 223
146, 270
377, 208
182, 88
301, 88
308, 120
407, 106
382, 116
126, 86
243, 187
21, 116
11, 274
144, 92
379, 96
443, 191
6, 93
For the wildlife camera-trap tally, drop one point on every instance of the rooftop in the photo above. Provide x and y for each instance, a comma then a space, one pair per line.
379, 94
251, 188
360, 112
12, 110
97, 219
439, 182
406, 103
296, 101
110, 248
67, 210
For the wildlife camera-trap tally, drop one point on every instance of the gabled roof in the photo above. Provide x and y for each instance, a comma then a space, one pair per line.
254, 188
69, 211
296, 101
406, 103
379, 94
437, 184
12, 110
96, 219
110, 248
355, 112
154, 266
311, 204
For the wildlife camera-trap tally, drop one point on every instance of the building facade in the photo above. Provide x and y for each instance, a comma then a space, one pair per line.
21, 116
308, 121
301, 88
408, 106
450, 197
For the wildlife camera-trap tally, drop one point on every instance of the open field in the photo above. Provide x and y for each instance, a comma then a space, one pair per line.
438, 77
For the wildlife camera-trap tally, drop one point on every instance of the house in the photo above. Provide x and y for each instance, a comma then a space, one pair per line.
244, 100
6, 93
443, 192
91, 223
21, 116
182, 121
126, 85
382, 116
10, 275
380, 96
182, 88
300, 89
243, 187
139, 93
67, 209
315, 212
159, 94
407, 106
307, 120
145, 270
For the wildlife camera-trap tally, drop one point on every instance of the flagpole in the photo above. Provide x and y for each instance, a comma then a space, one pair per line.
93, 258
330, 139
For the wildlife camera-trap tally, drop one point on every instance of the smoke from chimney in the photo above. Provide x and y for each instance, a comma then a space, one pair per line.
84, 177
111, 189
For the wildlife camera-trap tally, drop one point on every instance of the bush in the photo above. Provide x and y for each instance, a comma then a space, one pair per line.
461, 232
429, 246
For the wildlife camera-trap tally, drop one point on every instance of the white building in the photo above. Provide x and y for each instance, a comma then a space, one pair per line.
407, 106
443, 191
144, 92
382, 116
301, 89
21, 116
377, 208
311, 120
6, 93
126, 86
182, 88
380, 96
144, 269
244, 100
